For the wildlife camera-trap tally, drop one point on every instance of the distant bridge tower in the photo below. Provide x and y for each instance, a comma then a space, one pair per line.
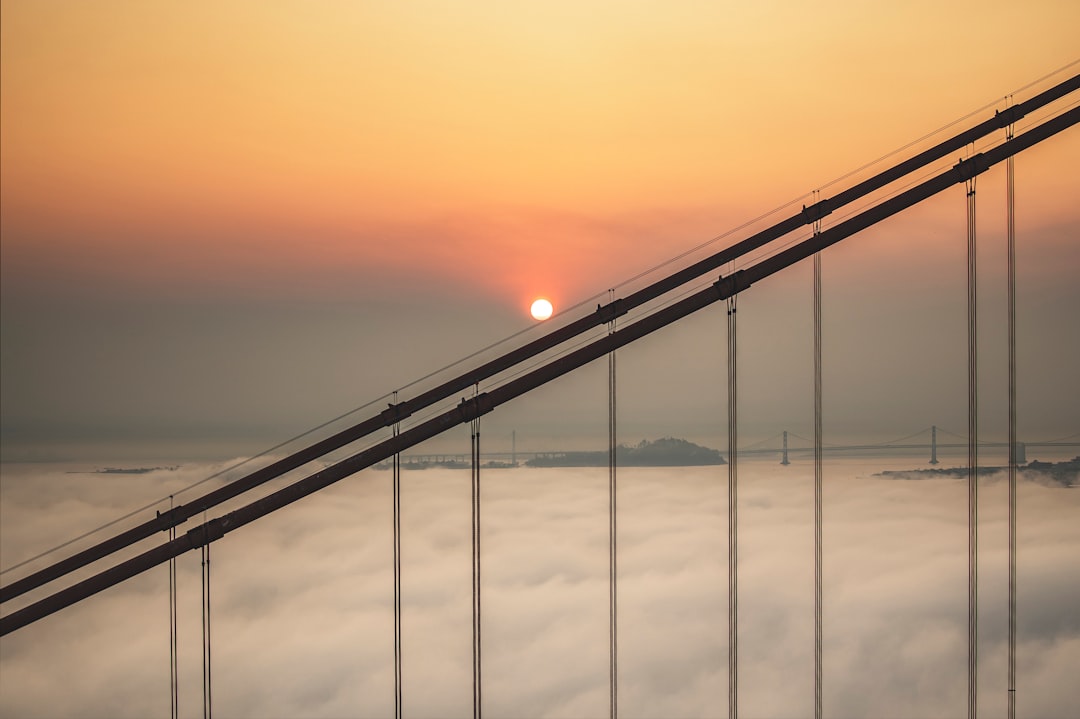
933, 445
784, 460
1021, 453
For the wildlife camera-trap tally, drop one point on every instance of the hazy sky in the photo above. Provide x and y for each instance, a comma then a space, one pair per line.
229, 221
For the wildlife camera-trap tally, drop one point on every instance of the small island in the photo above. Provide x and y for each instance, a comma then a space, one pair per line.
666, 452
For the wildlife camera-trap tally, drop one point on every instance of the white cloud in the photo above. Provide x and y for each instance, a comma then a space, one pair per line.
302, 620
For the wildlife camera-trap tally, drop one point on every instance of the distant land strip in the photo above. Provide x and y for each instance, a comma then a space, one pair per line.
1065, 474
666, 452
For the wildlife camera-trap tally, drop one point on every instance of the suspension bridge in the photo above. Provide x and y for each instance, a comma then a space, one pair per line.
782, 445
32, 595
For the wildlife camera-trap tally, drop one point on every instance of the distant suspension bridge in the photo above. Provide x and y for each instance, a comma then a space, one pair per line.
779, 445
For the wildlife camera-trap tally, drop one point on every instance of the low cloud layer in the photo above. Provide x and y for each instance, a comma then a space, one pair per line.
302, 618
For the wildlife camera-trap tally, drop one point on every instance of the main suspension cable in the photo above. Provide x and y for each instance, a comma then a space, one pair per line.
725, 288
232, 489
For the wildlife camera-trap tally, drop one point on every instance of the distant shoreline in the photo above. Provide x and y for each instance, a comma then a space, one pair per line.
1066, 474
666, 452
122, 470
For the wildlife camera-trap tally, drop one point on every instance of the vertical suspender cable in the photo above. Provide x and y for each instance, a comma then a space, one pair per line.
207, 695
973, 457
477, 645
613, 593
733, 523
174, 658
1010, 171
398, 703
817, 485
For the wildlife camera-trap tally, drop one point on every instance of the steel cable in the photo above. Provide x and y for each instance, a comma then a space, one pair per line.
613, 592
973, 456
818, 493
174, 658
396, 491
733, 523
477, 643
207, 689
1010, 174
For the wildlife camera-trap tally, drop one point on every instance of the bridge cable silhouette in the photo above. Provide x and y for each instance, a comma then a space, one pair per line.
477, 353
205, 599
399, 411
399, 707
818, 489
613, 529
838, 179
1010, 221
474, 439
973, 453
481, 403
733, 507
174, 635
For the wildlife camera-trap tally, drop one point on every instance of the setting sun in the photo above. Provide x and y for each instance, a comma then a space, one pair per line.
541, 309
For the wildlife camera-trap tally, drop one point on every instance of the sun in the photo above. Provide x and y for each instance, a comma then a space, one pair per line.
541, 309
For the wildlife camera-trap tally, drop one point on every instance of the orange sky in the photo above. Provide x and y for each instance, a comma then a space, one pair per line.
486, 144
201, 202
